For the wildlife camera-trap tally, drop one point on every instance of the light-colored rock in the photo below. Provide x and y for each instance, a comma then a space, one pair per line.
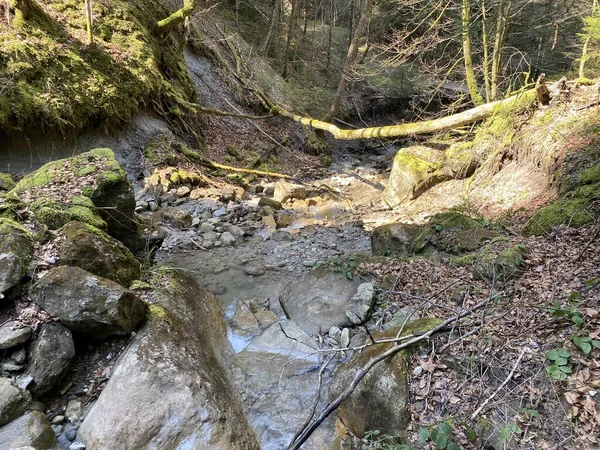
16, 251
236, 231
13, 334
74, 411
220, 212
14, 401
255, 269
270, 203
206, 227
87, 303
319, 300
285, 338
50, 359
170, 389
30, 431
195, 222
361, 304
285, 191
282, 235
227, 238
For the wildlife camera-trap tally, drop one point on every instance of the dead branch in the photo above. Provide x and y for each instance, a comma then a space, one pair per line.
360, 374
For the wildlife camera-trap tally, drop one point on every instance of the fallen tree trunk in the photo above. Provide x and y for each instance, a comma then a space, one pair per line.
410, 129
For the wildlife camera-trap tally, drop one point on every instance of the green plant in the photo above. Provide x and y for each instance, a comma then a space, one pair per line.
439, 435
508, 431
585, 343
560, 367
374, 440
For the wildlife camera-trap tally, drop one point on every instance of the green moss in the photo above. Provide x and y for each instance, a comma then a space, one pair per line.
590, 175
156, 312
55, 215
86, 171
189, 153
490, 265
8, 226
317, 145
233, 152
6, 182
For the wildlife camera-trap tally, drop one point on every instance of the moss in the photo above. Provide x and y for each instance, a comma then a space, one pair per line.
6, 182
55, 215
8, 226
156, 312
233, 152
590, 175
86, 171
317, 145
490, 265
189, 153
139, 285
327, 160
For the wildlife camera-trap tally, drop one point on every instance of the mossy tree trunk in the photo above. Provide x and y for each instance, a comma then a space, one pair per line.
350, 59
89, 21
167, 24
586, 43
411, 129
476, 97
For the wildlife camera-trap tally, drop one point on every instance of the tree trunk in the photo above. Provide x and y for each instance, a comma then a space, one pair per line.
584, 51
501, 29
89, 21
290, 35
22, 10
8, 12
410, 129
165, 25
350, 59
486, 55
264, 48
476, 97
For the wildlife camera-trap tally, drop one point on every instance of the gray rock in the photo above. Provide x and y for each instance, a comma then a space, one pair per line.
57, 429
51, 355
236, 231
285, 338
361, 304
285, 191
19, 356
227, 238
16, 251
170, 388
269, 203
11, 335
31, 430
14, 401
335, 333
206, 227
211, 236
254, 269
87, 303
282, 235
70, 431
319, 300
63, 441
77, 445
220, 212
74, 411
345, 338
395, 239
195, 222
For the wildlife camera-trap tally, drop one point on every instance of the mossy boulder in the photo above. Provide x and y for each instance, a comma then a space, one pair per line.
381, 399
395, 239
81, 245
454, 233
574, 208
492, 265
56, 191
10, 205
6, 182
415, 169
16, 252
87, 303
31, 430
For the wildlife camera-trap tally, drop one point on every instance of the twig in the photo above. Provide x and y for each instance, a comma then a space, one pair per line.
504, 383
361, 373
198, 245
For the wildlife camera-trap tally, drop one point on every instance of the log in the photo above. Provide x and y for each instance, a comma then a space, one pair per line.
477, 114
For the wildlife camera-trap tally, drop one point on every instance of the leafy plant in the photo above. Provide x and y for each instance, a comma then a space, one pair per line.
440, 436
374, 440
508, 431
585, 343
560, 367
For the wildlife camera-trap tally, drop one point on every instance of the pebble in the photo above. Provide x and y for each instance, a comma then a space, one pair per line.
57, 429
12, 335
195, 222
308, 263
74, 411
63, 441
77, 445
58, 419
71, 431
220, 212
418, 371
254, 270
227, 238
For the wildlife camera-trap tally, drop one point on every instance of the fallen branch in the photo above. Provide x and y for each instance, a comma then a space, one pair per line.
410, 129
504, 383
308, 430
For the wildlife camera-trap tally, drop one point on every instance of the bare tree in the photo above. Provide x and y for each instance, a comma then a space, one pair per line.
89, 21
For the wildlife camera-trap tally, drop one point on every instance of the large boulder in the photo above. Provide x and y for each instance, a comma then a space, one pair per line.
14, 401
98, 177
170, 389
50, 357
380, 400
395, 239
85, 246
87, 303
319, 300
30, 431
16, 251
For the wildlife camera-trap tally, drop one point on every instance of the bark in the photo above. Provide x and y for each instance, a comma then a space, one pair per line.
22, 11
476, 97
89, 21
264, 48
409, 129
486, 55
290, 36
584, 51
178, 17
350, 59
501, 29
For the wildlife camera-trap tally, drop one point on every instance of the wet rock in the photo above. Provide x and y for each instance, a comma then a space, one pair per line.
87, 303
77, 445
269, 202
285, 191
250, 322
286, 338
361, 304
319, 300
30, 431
82, 245
170, 388
395, 239
14, 401
13, 334
74, 411
16, 251
50, 357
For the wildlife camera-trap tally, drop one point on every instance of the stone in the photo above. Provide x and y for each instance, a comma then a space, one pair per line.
255, 269
71, 429
87, 303
380, 400
282, 235
170, 388
318, 301
74, 411
236, 231
221, 212
345, 338
14, 401
335, 333
6, 182
395, 239
414, 170
58, 420
91, 249
269, 202
361, 304
77, 445
195, 222
285, 338
13, 334
19, 356
16, 252
206, 227
50, 357
183, 191
284, 219
227, 238
30, 431
211, 236
285, 191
